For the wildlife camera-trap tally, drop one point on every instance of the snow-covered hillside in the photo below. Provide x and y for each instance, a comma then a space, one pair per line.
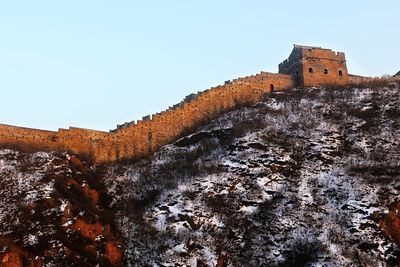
303, 178
53, 212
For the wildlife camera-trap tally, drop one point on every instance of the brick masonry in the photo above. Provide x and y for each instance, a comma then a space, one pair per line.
315, 66
139, 139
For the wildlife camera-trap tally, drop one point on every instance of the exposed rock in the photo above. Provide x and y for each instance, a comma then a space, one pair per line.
303, 178
60, 216
11, 259
113, 253
390, 223
300, 179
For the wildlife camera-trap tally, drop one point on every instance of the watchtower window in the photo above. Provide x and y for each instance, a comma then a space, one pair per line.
325, 71
310, 70
340, 73
297, 73
271, 88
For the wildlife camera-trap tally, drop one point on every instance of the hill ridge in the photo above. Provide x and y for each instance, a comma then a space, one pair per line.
134, 140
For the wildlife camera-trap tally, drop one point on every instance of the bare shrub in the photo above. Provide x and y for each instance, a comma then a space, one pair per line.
380, 169
303, 250
216, 202
26, 164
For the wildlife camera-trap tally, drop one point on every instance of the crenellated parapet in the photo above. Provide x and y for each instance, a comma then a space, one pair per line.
306, 66
138, 139
315, 66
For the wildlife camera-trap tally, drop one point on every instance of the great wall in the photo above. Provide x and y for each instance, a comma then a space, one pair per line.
305, 67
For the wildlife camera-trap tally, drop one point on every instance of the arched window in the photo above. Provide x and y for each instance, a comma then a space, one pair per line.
340, 73
310, 70
297, 73
271, 88
325, 71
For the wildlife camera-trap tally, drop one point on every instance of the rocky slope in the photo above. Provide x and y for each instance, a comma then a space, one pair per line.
304, 178
53, 213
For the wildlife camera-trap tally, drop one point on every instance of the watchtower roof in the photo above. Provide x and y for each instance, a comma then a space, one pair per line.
308, 47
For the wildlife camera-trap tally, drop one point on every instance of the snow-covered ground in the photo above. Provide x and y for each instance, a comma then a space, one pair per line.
21, 184
284, 183
52, 212
303, 178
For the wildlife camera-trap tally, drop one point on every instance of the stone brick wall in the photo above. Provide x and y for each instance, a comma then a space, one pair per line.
357, 80
306, 66
293, 66
315, 66
140, 139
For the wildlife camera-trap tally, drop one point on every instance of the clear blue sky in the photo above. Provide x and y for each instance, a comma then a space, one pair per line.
95, 64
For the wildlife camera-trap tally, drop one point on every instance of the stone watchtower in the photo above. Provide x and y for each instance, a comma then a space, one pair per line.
315, 66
